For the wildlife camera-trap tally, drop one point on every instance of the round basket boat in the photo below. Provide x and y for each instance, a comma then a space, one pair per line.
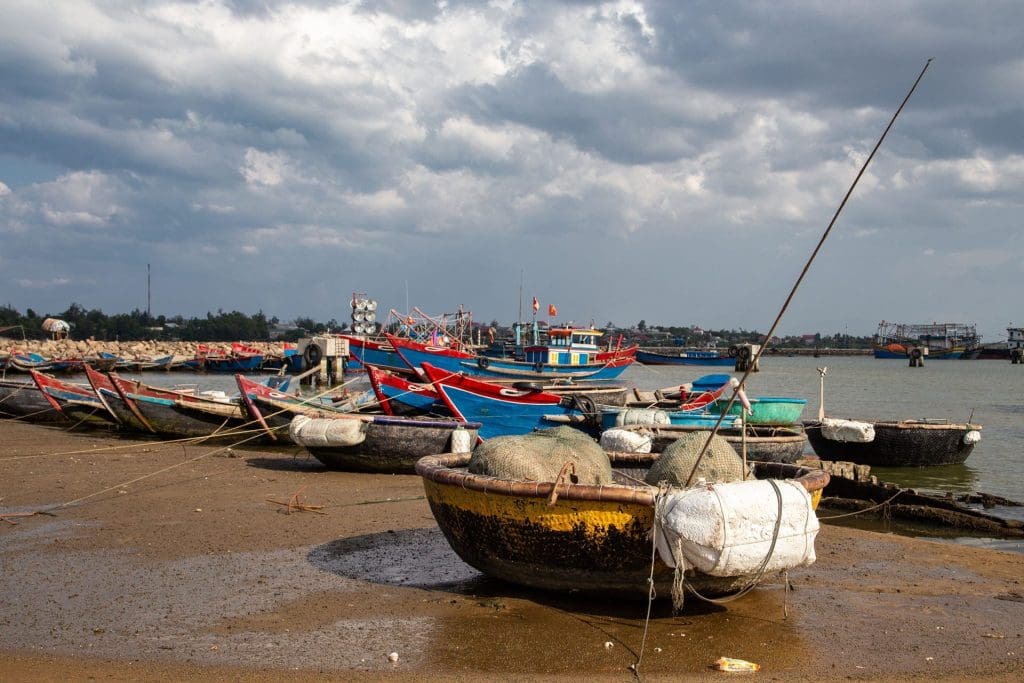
904, 443
766, 410
593, 539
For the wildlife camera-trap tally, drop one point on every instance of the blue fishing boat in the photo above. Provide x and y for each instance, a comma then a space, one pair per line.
508, 410
692, 357
364, 351
503, 410
398, 395
563, 358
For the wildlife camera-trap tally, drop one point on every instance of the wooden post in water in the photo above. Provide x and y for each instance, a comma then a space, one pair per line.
821, 393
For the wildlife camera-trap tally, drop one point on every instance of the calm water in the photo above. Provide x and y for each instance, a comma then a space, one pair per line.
986, 392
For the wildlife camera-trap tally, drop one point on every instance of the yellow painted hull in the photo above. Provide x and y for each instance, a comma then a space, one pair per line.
594, 546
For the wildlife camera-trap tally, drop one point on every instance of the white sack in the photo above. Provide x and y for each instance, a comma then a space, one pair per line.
626, 441
726, 529
847, 430
326, 432
973, 436
461, 441
641, 416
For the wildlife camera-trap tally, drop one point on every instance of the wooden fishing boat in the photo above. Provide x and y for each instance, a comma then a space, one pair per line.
511, 409
22, 400
398, 395
99, 382
23, 362
571, 537
504, 410
690, 357
78, 402
364, 351
240, 358
557, 345
379, 443
274, 409
536, 367
172, 413
902, 443
765, 444
620, 352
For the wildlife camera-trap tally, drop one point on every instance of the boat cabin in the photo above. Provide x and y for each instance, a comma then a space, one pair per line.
566, 346
1014, 338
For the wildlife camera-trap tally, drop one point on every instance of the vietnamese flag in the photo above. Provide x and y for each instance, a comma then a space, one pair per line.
536, 305
552, 311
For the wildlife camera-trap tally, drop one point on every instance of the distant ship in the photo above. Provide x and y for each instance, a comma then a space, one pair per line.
1000, 350
936, 340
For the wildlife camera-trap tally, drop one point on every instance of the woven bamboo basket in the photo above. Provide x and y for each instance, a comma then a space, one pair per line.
564, 536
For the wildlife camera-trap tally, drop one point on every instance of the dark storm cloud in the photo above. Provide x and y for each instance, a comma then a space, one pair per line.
620, 126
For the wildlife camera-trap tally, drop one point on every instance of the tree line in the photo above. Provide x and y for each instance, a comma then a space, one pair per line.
139, 325
234, 326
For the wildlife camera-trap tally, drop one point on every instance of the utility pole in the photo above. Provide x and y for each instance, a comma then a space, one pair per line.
149, 298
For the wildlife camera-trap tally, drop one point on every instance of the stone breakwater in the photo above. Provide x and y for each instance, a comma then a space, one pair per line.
69, 349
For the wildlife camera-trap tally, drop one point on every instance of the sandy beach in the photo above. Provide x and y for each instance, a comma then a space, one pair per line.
177, 563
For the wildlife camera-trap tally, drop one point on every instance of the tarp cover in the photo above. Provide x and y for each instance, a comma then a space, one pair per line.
326, 432
847, 430
727, 529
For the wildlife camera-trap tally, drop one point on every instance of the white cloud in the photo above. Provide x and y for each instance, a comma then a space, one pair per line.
265, 168
80, 198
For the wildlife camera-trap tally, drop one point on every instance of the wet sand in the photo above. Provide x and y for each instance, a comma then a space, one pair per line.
193, 573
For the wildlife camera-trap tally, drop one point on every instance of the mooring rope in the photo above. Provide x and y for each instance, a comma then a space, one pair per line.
867, 509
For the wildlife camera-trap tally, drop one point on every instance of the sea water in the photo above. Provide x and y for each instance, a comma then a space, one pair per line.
985, 392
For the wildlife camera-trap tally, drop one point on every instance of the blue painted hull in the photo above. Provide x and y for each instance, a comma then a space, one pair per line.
885, 354
685, 358
411, 401
505, 368
381, 356
501, 418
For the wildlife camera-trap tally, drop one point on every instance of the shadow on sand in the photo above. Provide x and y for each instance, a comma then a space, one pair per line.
300, 462
422, 558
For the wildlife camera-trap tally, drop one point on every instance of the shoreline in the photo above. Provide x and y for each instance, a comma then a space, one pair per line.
194, 573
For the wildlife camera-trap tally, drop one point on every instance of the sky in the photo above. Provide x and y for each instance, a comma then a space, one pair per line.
669, 162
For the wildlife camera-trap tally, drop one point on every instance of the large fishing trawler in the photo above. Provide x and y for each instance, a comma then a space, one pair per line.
937, 340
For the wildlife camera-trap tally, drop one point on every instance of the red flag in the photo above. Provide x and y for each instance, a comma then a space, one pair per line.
536, 305
552, 311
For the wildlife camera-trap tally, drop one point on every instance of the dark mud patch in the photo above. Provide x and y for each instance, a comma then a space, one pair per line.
285, 463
